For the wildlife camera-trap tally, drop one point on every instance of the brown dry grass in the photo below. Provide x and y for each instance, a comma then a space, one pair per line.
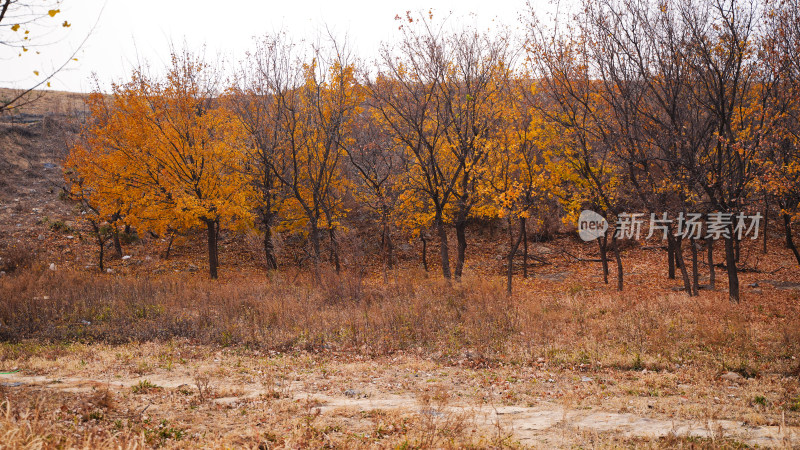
473, 317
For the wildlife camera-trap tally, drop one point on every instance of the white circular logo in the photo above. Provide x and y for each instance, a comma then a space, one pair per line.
591, 225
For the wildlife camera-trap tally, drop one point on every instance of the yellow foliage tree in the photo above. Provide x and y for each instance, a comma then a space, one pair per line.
168, 152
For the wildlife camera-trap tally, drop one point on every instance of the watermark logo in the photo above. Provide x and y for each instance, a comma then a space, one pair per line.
717, 225
591, 225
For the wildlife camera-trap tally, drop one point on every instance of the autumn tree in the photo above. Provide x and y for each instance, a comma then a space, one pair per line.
316, 119
377, 165
517, 180
260, 99
780, 160
174, 151
583, 144
93, 176
405, 93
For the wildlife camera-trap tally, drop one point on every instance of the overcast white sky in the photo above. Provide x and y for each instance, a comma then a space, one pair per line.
143, 29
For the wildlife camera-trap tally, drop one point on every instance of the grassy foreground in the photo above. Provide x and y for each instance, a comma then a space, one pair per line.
177, 360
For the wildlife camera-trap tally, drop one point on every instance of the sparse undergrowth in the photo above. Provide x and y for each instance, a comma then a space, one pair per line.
584, 329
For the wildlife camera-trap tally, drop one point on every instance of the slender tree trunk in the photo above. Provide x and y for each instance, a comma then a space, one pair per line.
315, 248
712, 273
512, 251
670, 256
443, 250
117, 243
389, 248
424, 251
524, 230
695, 270
169, 246
736, 247
603, 256
213, 261
461, 238
388, 253
787, 226
730, 261
334, 249
618, 258
766, 221
101, 244
687, 284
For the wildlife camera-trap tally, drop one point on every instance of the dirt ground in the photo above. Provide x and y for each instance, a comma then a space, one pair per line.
177, 394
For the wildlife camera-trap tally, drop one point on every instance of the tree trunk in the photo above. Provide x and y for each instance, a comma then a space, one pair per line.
461, 238
213, 262
712, 273
736, 247
334, 249
730, 261
687, 284
424, 251
117, 243
512, 251
524, 230
266, 223
617, 256
602, 243
269, 249
102, 244
169, 246
787, 226
443, 250
766, 221
695, 272
315, 248
670, 256
385, 252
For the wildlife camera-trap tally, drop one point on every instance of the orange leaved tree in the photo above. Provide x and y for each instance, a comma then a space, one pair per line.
174, 153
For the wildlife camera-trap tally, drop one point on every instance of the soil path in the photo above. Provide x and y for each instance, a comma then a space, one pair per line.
546, 424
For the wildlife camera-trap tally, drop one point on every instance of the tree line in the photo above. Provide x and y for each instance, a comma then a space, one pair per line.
671, 106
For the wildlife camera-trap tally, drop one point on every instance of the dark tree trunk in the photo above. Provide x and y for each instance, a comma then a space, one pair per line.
678, 245
461, 238
512, 251
386, 250
315, 249
169, 246
213, 261
687, 284
730, 261
766, 222
117, 243
424, 251
101, 244
269, 250
670, 256
603, 256
443, 249
712, 273
524, 230
787, 226
334, 249
601, 242
695, 271
618, 258
736, 248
